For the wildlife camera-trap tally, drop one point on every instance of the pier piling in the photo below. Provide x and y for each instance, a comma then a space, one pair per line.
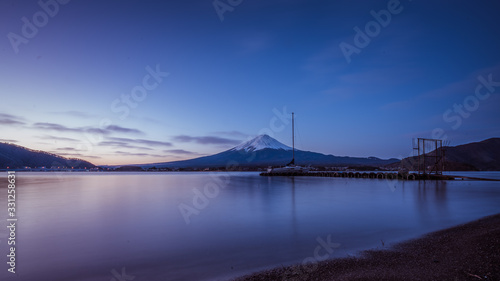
362, 175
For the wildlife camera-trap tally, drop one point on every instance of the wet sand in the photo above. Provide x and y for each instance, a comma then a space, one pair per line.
466, 252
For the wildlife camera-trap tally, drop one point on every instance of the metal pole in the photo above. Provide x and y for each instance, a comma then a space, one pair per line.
419, 155
441, 154
436, 159
293, 140
443, 157
423, 155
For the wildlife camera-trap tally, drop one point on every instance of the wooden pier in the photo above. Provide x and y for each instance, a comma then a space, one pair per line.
363, 175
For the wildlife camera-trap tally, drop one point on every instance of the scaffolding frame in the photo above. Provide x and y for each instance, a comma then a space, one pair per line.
430, 156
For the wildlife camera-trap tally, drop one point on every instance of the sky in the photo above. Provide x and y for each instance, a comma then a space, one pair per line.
121, 82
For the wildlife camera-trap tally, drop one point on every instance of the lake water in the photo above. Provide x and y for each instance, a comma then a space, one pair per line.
119, 226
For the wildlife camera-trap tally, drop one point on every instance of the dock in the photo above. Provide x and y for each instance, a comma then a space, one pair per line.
372, 175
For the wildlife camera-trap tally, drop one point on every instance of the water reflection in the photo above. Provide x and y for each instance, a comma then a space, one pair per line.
294, 211
431, 200
93, 223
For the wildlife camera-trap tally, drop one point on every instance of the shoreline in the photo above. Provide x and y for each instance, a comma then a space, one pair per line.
468, 251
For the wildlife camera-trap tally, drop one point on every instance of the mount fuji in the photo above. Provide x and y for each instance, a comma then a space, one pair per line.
264, 151
259, 143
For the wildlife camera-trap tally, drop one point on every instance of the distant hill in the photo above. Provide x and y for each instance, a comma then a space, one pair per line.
476, 156
15, 157
484, 155
264, 151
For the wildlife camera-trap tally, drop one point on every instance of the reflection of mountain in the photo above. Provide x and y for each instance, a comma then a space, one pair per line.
266, 151
482, 156
14, 157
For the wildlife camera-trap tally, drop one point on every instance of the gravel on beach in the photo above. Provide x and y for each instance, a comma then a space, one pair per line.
466, 252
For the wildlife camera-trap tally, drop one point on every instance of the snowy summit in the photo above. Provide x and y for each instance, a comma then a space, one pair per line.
259, 143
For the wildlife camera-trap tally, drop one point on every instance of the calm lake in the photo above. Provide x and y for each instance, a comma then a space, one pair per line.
215, 226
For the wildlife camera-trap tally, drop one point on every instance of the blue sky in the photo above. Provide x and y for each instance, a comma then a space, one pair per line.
213, 83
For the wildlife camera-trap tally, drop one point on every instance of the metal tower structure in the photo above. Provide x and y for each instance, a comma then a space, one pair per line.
430, 156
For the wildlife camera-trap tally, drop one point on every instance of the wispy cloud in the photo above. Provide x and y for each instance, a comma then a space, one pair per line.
67, 149
75, 113
105, 131
6, 140
142, 141
181, 151
8, 119
206, 140
76, 155
53, 127
118, 129
55, 138
91, 156
460, 88
235, 134
121, 144
125, 153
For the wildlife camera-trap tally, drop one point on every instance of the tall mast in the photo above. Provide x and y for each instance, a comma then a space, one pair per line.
293, 140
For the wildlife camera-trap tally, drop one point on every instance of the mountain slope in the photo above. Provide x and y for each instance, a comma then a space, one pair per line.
484, 155
264, 151
481, 156
259, 143
15, 156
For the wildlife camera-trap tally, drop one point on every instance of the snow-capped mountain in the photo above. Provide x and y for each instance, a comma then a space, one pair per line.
259, 143
264, 151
